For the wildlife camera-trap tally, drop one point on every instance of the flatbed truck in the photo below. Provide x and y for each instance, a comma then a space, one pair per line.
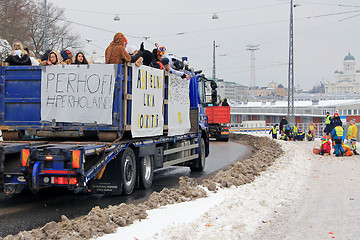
98, 158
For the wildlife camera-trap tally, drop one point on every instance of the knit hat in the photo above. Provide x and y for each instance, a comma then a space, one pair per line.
353, 120
353, 139
323, 139
336, 114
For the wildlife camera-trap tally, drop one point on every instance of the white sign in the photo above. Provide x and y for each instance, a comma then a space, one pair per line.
147, 101
179, 106
78, 93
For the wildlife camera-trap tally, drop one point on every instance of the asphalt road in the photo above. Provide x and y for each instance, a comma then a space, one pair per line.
27, 211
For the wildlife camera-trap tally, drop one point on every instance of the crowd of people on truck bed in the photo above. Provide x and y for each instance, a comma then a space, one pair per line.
344, 144
116, 53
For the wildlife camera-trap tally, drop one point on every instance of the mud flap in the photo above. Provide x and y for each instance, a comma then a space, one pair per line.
35, 183
110, 182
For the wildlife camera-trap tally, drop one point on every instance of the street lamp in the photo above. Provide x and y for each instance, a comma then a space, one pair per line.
290, 109
117, 18
214, 71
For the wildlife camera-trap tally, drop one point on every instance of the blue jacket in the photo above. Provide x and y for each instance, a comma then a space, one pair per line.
335, 136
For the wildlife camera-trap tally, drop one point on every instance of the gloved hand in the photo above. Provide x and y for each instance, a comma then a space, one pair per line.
142, 47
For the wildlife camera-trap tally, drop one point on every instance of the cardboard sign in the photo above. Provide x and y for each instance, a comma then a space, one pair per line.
179, 106
78, 93
147, 101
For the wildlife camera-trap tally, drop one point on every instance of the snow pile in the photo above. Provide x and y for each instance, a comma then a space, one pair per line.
235, 213
105, 221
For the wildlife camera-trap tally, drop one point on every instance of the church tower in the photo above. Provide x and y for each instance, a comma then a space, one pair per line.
349, 64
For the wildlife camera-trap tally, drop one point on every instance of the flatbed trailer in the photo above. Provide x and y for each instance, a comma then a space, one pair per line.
110, 167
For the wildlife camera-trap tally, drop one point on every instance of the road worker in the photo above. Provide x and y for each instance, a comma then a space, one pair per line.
327, 123
352, 130
338, 135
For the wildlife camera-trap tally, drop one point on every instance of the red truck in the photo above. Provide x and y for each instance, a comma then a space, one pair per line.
218, 117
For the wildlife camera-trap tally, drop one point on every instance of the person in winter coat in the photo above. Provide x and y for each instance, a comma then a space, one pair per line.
312, 129
325, 148
347, 149
338, 135
353, 145
273, 131
80, 58
132, 50
18, 56
66, 57
282, 123
115, 53
309, 136
335, 121
54, 59
352, 130
45, 56
225, 103
327, 123
287, 131
295, 131
158, 53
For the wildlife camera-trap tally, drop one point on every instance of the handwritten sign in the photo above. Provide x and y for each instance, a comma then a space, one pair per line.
179, 106
147, 101
82, 94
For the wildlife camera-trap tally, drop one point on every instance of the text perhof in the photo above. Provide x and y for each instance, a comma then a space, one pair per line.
78, 93
147, 100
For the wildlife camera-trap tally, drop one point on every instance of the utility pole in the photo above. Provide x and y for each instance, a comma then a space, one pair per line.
290, 109
214, 68
46, 44
252, 48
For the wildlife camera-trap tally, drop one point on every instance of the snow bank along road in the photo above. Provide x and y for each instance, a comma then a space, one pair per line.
301, 196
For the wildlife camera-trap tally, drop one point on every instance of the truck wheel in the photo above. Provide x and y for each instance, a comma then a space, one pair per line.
199, 164
146, 171
128, 171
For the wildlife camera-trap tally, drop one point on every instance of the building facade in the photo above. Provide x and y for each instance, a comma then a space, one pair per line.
232, 91
346, 81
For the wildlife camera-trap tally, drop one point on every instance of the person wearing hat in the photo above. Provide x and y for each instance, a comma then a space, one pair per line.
335, 121
327, 123
325, 148
352, 130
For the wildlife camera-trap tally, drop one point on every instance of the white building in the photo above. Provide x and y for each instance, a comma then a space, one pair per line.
232, 91
346, 81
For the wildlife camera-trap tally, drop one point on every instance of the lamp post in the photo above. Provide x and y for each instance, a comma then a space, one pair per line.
214, 69
46, 44
290, 109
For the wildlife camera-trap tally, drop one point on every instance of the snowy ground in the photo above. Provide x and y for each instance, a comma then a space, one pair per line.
301, 196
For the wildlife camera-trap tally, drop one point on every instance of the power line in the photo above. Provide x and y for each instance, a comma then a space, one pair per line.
174, 13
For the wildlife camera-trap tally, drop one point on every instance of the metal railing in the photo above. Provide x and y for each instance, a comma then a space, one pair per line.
264, 128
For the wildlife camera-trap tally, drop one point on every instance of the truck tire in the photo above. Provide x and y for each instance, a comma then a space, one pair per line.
146, 171
128, 171
199, 163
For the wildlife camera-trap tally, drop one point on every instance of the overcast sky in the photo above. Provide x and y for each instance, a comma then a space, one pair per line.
323, 34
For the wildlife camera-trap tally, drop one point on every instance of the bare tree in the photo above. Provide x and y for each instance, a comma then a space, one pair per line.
59, 31
23, 20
